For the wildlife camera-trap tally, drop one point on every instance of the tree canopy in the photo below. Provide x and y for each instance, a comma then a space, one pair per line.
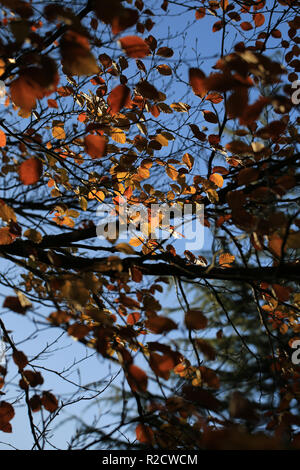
143, 104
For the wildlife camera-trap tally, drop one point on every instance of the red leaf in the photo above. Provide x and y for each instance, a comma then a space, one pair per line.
95, 145
200, 13
135, 47
118, 98
30, 171
137, 379
246, 26
197, 82
251, 113
32, 378
133, 318
144, 434
162, 364
259, 19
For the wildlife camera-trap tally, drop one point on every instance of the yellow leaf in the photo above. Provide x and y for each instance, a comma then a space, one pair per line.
226, 259
125, 248
58, 132
118, 136
136, 241
188, 160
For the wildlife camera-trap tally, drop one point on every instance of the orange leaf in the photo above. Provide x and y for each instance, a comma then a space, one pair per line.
52, 103
133, 318
2, 139
30, 171
217, 179
135, 47
6, 238
226, 259
95, 145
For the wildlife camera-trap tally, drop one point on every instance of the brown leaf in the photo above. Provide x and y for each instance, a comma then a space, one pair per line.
158, 324
20, 359
77, 58
49, 402
195, 320
14, 304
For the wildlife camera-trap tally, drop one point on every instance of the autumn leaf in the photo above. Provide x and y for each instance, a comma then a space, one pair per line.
226, 259
162, 364
77, 58
137, 378
119, 98
49, 402
2, 138
95, 145
58, 132
20, 359
197, 82
158, 324
13, 303
30, 171
134, 47
5, 236
195, 320
144, 434
217, 179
